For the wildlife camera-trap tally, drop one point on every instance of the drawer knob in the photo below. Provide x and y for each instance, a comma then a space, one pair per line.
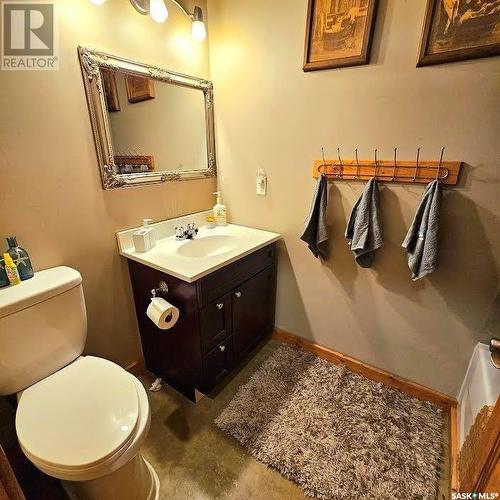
237, 294
222, 348
220, 306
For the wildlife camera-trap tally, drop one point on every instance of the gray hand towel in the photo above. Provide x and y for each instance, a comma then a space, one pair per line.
422, 240
363, 230
316, 231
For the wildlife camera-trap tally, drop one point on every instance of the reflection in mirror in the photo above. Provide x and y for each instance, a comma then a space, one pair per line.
150, 124
154, 125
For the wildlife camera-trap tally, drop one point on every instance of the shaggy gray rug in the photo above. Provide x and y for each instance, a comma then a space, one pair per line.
336, 433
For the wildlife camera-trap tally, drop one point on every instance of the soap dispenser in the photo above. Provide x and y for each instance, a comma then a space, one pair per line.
144, 238
21, 259
220, 211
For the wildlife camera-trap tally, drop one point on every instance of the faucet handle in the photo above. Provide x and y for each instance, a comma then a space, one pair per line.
192, 229
180, 234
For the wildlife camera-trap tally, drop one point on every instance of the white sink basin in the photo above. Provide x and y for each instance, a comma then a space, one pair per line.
208, 246
190, 260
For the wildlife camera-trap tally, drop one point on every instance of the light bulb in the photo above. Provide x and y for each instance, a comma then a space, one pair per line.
97, 2
199, 32
158, 11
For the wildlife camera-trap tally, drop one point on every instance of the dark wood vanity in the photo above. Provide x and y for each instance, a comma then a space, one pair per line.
223, 316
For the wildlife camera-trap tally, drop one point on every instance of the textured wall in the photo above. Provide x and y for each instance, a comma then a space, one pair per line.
50, 191
272, 115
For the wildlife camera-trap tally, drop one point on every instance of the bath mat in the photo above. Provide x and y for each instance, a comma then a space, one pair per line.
336, 433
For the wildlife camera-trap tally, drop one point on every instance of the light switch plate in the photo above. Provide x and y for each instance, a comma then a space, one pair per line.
261, 183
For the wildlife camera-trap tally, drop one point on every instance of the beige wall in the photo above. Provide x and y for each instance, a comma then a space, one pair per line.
271, 115
178, 113
50, 189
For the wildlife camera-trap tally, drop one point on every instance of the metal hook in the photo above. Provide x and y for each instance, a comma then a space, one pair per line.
395, 164
341, 164
357, 164
376, 163
324, 161
440, 163
416, 166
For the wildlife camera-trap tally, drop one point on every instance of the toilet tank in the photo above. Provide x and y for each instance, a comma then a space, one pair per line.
43, 327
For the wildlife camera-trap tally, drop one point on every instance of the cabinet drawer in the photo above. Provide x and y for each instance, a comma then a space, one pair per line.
224, 280
215, 322
217, 364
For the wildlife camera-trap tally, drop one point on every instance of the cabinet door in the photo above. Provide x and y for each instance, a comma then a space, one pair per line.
253, 311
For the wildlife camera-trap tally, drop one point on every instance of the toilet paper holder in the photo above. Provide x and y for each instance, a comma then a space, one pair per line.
162, 288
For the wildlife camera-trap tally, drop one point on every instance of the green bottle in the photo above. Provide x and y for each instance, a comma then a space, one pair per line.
21, 259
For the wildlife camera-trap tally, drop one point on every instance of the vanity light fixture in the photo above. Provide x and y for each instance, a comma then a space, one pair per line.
97, 2
159, 12
199, 31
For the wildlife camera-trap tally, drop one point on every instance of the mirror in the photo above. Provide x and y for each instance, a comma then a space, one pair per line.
150, 124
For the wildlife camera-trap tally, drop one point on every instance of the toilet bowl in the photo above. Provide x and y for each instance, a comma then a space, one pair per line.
81, 419
84, 423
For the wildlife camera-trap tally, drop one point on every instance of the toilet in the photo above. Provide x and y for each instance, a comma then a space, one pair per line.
81, 419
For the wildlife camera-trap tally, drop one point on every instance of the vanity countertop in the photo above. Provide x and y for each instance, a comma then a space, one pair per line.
190, 260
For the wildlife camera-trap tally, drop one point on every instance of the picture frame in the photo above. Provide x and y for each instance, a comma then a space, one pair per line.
139, 88
456, 31
110, 90
338, 33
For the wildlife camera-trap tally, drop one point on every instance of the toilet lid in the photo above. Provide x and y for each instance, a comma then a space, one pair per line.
78, 416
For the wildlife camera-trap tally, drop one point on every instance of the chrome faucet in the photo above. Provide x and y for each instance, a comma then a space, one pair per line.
186, 234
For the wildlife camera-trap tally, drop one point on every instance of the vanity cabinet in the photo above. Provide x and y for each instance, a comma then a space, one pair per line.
223, 316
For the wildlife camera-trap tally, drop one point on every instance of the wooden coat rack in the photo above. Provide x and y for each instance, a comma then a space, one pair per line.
408, 172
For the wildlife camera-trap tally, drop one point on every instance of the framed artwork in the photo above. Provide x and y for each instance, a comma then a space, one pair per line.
139, 88
110, 90
338, 33
459, 29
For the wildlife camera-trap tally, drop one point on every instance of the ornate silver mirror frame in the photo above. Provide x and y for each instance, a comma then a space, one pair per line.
91, 62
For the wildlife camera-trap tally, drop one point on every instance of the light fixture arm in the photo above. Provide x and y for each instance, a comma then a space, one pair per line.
142, 6
186, 13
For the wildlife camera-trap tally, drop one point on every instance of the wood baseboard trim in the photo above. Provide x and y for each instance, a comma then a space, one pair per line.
137, 367
412, 388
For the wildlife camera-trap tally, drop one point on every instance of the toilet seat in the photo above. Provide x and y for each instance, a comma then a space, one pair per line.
78, 422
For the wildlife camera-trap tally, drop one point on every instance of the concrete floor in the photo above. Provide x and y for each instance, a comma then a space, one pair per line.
196, 461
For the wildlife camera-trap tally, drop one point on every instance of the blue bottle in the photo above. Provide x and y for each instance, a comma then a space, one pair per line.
21, 259
4, 281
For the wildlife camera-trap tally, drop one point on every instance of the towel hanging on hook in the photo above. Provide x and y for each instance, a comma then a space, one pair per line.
316, 230
422, 240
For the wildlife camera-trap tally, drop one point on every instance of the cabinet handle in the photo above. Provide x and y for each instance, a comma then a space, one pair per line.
237, 294
220, 306
222, 348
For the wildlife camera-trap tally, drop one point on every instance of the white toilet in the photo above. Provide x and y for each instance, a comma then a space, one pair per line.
81, 419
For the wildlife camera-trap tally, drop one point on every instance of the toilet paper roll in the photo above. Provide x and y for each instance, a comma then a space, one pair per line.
163, 314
